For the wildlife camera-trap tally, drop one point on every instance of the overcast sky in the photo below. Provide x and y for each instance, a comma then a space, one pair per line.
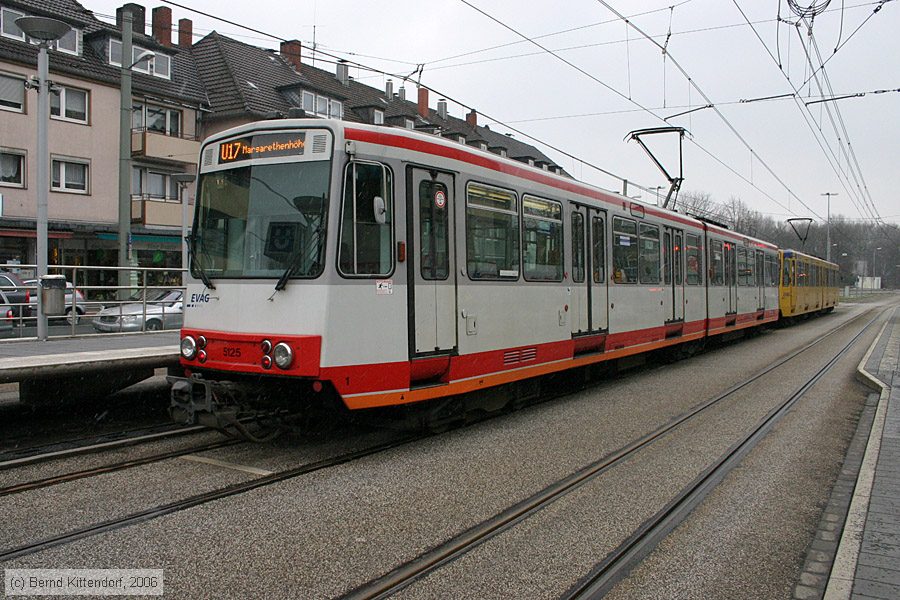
585, 109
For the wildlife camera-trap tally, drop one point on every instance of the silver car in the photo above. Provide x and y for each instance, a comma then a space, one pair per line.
7, 314
161, 310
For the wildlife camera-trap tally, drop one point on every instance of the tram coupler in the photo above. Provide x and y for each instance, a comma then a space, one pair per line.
198, 401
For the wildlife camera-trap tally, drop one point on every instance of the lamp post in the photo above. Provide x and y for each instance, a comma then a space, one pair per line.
184, 180
45, 31
125, 106
828, 195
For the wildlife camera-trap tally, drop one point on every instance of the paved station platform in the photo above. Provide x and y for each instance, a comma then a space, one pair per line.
94, 364
865, 545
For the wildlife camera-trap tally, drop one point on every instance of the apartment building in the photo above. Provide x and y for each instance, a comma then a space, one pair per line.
184, 92
83, 133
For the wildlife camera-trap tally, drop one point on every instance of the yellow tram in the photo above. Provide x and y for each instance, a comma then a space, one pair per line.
808, 284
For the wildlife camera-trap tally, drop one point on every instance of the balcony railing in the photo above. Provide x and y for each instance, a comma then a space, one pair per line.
163, 146
156, 211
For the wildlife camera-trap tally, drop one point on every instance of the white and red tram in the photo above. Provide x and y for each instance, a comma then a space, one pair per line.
395, 267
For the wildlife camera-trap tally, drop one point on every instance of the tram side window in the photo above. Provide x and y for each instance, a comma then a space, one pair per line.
743, 266
433, 231
786, 273
677, 254
625, 250
577, 248
366, 244
542, 239
667, 258
598, 249
648, 261
694, 262
716, 263
492, 234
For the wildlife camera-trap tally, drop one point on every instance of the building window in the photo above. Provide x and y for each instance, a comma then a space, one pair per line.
69, 42
410, 124
322, 106
155, 118
69, 105
625, 250
160, 65
153, 185
461, 139
378, 117
483, 146
367, 231
503, 152
336, 110
69, 176
648, 260
492, 234
9, 27
12, 93
542, 239
12, 169
309, 102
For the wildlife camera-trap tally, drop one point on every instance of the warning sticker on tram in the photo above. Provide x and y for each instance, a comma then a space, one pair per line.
266, 145
440, 199
384, 287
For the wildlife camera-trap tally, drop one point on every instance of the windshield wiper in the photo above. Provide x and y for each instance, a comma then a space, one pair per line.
298, 257
193, 262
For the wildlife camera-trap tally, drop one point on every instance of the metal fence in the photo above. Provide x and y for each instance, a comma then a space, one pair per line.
149, 299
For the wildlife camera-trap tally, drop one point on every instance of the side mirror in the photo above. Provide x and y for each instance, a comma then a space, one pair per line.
380, 210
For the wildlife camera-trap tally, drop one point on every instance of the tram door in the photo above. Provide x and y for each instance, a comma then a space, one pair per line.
431, 261
731, 277
673, 273
589, 278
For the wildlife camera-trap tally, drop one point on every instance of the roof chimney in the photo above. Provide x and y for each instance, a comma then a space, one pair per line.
290, 51
442, 109
423, 102
343, 72
389, 89
138, 17
185, 33
402, 93
472, 118
162, 25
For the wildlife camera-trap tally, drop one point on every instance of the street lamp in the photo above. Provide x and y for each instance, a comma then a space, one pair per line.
828, 195
125, 106
43, 30
184, 180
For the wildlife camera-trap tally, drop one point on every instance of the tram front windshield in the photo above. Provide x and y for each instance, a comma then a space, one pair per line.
261, 220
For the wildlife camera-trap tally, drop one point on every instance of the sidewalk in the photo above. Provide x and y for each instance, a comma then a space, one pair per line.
867, 564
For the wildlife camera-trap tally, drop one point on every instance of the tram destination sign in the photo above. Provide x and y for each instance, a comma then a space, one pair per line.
263, 145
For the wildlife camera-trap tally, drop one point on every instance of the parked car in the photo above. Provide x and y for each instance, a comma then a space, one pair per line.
18, 295
7, 314
163, 311
72, 293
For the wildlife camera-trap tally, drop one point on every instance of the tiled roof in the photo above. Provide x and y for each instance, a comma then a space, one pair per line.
184, 85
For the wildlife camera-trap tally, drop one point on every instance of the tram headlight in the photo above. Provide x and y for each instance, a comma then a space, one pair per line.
283, 355
188, 348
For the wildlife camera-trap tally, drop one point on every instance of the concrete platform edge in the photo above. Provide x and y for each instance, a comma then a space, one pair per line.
843, 571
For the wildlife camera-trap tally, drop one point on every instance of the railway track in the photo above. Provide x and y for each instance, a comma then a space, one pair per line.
396, 579
38, 454
111, 468
641, 542
199, 499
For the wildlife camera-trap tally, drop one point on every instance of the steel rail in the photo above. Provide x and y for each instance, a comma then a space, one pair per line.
94, 446
429, 561
110, 468
197, 500
620, 561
